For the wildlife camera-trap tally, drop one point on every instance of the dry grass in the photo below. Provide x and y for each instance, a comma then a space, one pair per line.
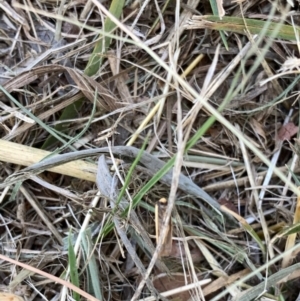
108, 107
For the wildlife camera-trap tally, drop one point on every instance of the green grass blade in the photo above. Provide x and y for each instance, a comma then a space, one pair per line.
93, 269
153, 181
80, 134
240, 25
103, 44
32, 116
254, 235
214, 7
109, 226
296, 179
68, 113
293, 229
131, 169
73, 268
92, 67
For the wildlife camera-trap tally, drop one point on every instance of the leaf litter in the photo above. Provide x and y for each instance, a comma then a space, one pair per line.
214, 102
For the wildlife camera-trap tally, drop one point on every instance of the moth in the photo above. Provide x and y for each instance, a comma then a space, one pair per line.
160, 212
10, 297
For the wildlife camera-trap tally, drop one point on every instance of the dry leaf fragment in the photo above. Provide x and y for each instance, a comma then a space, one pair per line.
257, 127
287, 131
228, 204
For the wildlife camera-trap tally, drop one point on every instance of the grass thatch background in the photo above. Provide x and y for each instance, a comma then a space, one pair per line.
108, 106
